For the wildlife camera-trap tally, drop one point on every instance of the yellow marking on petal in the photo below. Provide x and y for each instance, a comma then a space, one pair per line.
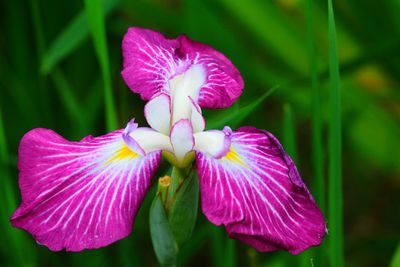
233, 156
123, 153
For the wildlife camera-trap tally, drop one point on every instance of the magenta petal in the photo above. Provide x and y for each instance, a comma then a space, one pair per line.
257, 193
151, 61
224, 83
80, 195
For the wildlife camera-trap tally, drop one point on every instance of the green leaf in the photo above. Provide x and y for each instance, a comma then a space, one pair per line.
183, 213
162, 238
70, 38
234, 115
94, 12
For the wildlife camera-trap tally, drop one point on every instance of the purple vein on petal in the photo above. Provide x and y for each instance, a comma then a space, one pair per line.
80, 195
257, 193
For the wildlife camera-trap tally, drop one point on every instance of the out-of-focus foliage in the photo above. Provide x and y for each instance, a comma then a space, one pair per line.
50, 76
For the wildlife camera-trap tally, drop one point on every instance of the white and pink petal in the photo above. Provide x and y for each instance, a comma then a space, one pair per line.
223, 84
80, 195
185, 88
213, 142
158, 113
150, 140
196, 117
256, 191
151, 61
182, 139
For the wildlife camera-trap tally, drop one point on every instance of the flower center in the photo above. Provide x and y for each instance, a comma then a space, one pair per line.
177, 125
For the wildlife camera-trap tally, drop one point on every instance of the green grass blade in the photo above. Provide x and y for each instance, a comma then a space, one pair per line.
93, 104
18, 253
43, 100
267, 22
290, 145
318, 184
217, 245
189, 250
317, 148
395, 262
38, 29
65, 43
335, 151
70, 38
230, 260
223, 249
70, 101
7, 195
10, 82
4, 160
94, 12
289, 132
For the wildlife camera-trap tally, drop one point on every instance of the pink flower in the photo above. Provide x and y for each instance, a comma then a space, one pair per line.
85, 195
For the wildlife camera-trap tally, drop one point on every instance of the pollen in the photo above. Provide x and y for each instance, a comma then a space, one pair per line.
233, 156
121, 154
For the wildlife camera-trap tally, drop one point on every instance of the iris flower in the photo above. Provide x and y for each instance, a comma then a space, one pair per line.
85, 195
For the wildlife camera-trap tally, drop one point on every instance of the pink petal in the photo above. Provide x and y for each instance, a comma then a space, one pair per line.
224, 83
151, 61
256, 192
80, 195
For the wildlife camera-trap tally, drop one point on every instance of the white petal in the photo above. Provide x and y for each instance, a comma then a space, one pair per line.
198, 122
158, 113
183, 87
150, 140
214, 143
182, 138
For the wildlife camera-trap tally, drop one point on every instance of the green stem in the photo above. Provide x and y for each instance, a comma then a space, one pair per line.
173, 213
178, 175
335, 151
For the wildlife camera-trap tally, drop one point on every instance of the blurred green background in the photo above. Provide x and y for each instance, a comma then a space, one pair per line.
57, 71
